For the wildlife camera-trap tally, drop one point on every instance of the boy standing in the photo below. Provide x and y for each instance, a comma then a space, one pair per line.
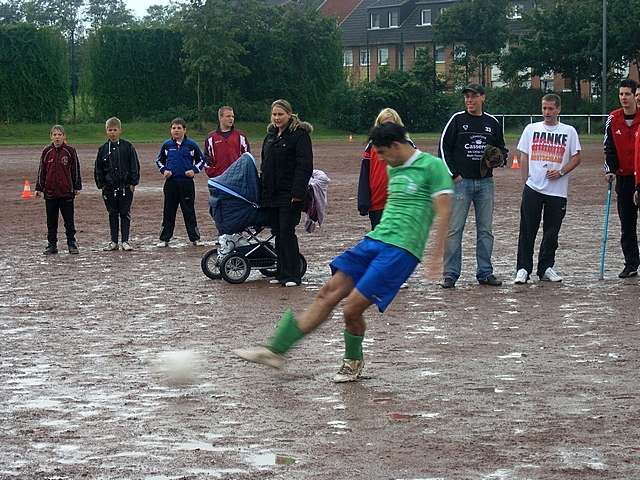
179, 160
117, 172
222, 147
549, 150
373, 270
59, 180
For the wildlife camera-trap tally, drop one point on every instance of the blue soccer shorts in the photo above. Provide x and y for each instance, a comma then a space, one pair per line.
378, 269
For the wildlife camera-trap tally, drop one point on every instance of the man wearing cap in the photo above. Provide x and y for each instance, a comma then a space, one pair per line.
462, 146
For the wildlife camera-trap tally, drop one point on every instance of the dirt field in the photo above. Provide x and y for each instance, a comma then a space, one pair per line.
529, 382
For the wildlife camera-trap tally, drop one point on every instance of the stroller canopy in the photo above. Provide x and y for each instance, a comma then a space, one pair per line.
234, 196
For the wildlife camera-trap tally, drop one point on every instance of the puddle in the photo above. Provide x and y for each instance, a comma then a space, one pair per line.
267, 459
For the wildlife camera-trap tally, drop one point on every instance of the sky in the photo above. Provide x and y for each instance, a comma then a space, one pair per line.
139, 7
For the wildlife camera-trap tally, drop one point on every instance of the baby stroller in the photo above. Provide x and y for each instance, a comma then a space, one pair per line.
233, 205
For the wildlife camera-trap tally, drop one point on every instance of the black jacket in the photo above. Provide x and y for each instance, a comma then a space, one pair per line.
463, 142
286, 167
117, 165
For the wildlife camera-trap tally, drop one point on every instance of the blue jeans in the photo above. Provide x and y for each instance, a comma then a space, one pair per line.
480, 192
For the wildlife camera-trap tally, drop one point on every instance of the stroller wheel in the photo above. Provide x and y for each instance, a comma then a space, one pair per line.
210, 265
235, 268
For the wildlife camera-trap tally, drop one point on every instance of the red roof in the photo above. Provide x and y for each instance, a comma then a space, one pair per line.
338, 8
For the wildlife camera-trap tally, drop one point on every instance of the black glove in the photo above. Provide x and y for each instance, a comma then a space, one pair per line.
491, 158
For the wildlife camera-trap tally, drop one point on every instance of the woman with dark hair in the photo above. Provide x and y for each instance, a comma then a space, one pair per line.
286, 167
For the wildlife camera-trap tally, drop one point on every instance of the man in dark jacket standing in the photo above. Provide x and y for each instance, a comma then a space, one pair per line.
619, 146
117, 172
462, 146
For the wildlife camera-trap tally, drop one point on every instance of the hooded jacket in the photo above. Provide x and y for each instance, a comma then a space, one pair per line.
287, 164
59, 172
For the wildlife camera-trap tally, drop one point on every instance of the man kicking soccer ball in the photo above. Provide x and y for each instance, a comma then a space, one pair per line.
373, 270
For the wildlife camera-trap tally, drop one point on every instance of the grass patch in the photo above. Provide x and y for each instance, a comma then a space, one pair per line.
139, 132
156, 133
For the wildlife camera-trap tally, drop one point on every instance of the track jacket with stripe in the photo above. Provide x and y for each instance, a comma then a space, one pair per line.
619, 143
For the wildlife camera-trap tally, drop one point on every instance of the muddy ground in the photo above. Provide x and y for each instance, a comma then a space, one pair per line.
518, 382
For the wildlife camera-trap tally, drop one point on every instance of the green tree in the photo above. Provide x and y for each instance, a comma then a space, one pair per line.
212, 50
11, 12
112, 13
35, 88
161, 16
562, 37
623, 32
480, 26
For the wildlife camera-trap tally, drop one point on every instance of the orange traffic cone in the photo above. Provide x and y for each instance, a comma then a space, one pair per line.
515, 163
26, 190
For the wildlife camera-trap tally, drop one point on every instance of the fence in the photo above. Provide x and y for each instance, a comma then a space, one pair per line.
581, 122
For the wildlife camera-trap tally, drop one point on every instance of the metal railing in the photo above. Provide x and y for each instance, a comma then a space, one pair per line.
531, 117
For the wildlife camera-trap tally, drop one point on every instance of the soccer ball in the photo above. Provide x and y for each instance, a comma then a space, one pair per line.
179, 367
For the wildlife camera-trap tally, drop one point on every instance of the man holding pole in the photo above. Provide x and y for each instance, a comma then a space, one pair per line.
619, 147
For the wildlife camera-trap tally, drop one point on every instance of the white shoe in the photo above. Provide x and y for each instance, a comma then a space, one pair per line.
404, 285
162, 244
550, 275
261, 355
290, 284
126, 247
110, 247
350, 371
273, 281
521, 277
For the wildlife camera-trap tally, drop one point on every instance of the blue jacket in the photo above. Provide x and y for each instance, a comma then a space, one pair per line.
179, 159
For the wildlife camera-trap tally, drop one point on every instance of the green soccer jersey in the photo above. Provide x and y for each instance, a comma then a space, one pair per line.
408, 213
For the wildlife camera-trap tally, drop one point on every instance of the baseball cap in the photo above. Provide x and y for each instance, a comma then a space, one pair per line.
474, 88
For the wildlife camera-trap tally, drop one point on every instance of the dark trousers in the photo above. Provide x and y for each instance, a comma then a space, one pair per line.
179, 193
65, 207
283, 222
628, 213
374, 217
118, 203
551, 209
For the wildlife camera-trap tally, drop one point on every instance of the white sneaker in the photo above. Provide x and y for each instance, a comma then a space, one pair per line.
162, 244
521, 277
273, 281
404, 285
290, 284
110, 247
350, 371
126, 247
550, 275
261, 355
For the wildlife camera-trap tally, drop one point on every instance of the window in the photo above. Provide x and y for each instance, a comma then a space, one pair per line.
347, 58
393, 18
440, 56
515, 11
364, 57
383, 56
425, 17
375, 20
